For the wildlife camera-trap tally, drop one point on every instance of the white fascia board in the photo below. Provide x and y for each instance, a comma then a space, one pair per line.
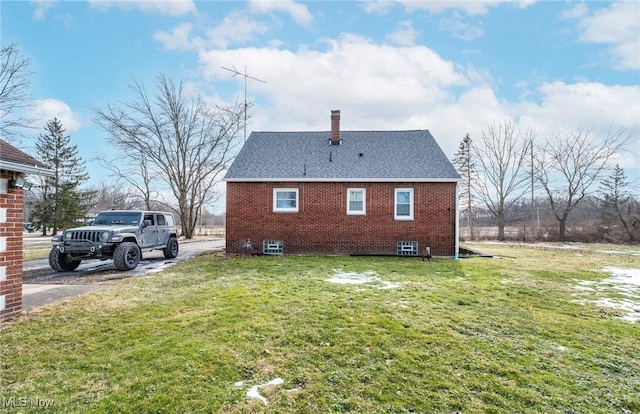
24, 168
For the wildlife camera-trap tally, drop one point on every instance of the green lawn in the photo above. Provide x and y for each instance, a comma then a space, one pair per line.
516, 333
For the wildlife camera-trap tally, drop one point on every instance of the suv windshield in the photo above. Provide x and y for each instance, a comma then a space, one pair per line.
117, 218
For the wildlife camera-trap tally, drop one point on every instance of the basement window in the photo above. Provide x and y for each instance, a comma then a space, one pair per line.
407, 248
272, 247
403, 204
285, 200
356, 201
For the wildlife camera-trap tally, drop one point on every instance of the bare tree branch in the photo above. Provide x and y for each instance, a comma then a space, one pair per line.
187, 142
569, 164
501, 155
15, 96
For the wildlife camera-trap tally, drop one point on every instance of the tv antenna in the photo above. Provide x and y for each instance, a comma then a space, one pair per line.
246, 105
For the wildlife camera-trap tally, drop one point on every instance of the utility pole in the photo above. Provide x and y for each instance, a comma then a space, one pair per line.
532, 183
246, 105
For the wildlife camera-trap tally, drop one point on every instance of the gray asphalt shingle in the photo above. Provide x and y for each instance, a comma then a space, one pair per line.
363, 155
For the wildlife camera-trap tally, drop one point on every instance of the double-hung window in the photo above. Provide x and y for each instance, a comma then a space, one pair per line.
403, 204
356, 201
285, 200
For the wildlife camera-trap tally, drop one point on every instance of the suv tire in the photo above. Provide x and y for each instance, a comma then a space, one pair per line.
171, 251
58, 261
126, 256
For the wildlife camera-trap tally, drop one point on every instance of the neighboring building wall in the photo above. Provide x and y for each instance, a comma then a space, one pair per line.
11, 202
322, 225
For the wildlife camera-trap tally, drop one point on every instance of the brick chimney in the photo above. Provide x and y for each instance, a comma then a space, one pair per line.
335, 127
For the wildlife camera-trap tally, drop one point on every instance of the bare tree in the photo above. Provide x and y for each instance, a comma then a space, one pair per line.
569, 164
185, 142
135, 173
116, 197
14, 90
501, 155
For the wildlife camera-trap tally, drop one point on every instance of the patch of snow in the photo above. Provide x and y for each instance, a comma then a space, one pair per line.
632, 311
254, 392
624, 282
369, 277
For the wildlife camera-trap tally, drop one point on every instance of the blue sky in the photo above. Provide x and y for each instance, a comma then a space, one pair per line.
452, 67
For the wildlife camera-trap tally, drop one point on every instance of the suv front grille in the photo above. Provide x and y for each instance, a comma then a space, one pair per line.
91, 235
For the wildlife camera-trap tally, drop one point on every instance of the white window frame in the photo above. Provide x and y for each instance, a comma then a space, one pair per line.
395, 204
277, 209
362, 212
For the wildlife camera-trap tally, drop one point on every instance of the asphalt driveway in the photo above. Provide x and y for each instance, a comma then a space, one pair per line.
42, 285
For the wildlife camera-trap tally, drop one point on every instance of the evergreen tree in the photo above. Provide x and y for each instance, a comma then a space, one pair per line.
464, 162
61, 202
617, 204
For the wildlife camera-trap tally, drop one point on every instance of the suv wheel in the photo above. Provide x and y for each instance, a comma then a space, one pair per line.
59, 261
171, 250
126, 256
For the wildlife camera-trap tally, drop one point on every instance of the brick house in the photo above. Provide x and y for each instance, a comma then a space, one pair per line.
14, 164
346, 192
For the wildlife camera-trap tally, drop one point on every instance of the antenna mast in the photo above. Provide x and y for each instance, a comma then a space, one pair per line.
237, 73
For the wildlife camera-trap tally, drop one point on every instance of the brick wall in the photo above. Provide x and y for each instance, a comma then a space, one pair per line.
322, 225
11, 218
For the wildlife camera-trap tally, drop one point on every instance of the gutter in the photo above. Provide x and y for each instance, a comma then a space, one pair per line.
24, 168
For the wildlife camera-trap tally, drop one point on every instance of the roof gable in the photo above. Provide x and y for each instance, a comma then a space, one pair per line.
361, 156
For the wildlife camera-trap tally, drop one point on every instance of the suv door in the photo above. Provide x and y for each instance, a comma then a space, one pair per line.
163, 229
148, 233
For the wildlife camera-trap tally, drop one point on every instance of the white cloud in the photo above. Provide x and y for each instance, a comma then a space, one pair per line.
41, 7
458, 28
179, 38
382, 87
236, 28
585, 104
379, 7
405, 35
169, 8
45, 110
617, 26
298, 12
589, 105
468, 7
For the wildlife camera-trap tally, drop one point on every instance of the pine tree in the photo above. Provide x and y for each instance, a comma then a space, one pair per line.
61, 201
465, 164
617, 204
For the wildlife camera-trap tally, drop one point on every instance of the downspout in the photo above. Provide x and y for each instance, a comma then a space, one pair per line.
457, 230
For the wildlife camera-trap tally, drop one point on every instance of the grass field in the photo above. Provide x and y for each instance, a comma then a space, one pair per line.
531, 330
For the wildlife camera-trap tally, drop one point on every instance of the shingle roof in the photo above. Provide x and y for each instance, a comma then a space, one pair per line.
362, 156
10, 153
13, 159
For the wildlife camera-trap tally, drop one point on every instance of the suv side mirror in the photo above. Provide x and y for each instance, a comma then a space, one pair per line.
146, 223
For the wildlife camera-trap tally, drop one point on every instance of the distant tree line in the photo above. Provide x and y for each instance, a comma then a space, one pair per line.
564, 188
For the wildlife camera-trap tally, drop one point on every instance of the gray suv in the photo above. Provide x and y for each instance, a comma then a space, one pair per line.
121, 235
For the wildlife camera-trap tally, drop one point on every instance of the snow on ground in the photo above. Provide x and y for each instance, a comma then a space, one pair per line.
632, 251
367, 278
254, 392
625, 282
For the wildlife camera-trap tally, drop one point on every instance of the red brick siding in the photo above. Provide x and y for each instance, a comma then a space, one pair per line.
11, 288
322, 225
